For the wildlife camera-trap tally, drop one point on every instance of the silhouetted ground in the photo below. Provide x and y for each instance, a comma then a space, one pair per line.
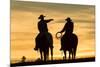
39, 62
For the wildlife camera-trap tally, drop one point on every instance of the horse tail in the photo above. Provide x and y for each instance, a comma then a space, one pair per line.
51, 44
50, 38
75, 43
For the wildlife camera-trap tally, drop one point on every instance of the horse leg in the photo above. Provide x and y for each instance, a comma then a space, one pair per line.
75, 44
41, 54
65, 54
51, 53
47, 54
44, 55
69, 54
72, 54
51, 45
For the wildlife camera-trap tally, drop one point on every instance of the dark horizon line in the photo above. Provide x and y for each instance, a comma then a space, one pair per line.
39, 62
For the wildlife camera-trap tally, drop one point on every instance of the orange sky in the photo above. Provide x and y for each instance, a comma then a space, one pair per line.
24, 19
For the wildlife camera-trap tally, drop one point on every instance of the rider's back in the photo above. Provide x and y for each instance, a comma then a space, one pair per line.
69, 28
42, 26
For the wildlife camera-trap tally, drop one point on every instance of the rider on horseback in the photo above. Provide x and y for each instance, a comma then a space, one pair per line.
42, 27
68, 29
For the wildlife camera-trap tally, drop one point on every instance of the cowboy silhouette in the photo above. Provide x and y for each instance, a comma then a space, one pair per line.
43, 30
68, 29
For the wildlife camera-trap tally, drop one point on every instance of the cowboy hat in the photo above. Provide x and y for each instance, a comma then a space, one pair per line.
68, 19
41, 16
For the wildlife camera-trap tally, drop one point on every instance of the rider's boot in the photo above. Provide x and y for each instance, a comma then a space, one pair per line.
35, 49
60, 49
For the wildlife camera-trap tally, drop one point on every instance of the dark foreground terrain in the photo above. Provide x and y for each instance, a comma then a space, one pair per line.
39, 62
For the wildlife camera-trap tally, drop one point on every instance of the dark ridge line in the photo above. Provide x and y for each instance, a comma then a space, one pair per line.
38, 62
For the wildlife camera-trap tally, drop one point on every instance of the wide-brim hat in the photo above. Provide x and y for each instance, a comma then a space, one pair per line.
41, 16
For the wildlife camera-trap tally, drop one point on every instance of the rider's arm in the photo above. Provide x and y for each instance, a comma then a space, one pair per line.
48, 20
63, 29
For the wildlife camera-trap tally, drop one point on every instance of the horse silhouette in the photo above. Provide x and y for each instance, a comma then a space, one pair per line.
69, 40
44, 45
44, 39
70, 45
